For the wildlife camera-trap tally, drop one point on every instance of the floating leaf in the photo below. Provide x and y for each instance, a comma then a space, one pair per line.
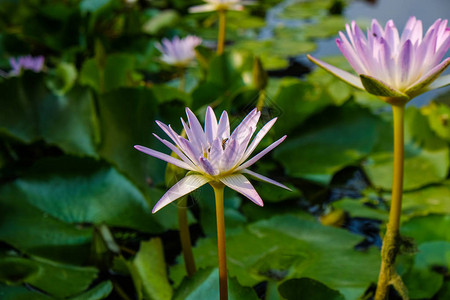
100, 291
426, 157
148, 270
343, 135
83, 191
307, 288
20, 293
285, 247
205, 285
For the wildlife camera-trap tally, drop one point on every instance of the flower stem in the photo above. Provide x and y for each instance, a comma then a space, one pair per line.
218, 192
185, 237
222, 31
391, 243
182, 78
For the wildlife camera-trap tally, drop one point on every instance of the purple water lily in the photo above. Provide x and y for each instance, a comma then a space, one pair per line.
35, 64
215, 155
179, 52
393, 65
216, 5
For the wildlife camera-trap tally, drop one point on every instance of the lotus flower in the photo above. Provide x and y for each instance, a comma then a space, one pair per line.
179, 52
394, 66
35, 64
217, 5
214, 155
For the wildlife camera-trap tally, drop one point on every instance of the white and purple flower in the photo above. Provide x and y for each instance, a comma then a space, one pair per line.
179, 52
35, 64
392, 65
214, 155
217, 5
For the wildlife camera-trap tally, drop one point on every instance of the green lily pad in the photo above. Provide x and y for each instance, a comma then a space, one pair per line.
98, 292
341, 135
428, 228
22, 226
205, 285
83, 191
360, 209
149, 273
57, 279
65, 121
426, 158
433, 199
439, 118
20, 293
305, 9
285, 247
307, 288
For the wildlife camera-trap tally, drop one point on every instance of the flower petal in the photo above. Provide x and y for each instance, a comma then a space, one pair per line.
196, 127
181, 188
223, 128
259, 136
202, 8
243, 186
165, 157
258, 156
420, 86
264, 178
379, 88
210, 125
177, 152
341, 74
440, 82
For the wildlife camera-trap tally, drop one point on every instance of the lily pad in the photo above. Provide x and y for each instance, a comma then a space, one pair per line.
341, 135
205, 285
285, 247
360, 209
307, 288
20, 293
433, 199
426, 156
83, 191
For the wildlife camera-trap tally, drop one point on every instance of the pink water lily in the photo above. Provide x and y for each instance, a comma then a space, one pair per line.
216, 5
393, 65
214, 155
179, 52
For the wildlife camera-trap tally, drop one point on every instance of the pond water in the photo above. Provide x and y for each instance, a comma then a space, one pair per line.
382, 10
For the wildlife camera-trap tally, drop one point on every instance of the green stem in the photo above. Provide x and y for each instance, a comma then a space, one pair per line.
391, 239
223, 286
222, 31
261, 100
185, 237
182, 81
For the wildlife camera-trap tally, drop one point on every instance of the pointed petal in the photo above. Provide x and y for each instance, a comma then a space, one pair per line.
440, 82
229, 155
196, 127
250, 121
177, 152
165, 157
241, 185
264, 178
210, 125
223, 128
258, 156
341, 74
421, 85
202, 8
406, 59
181, 188
259, 136
379, 88
207, 166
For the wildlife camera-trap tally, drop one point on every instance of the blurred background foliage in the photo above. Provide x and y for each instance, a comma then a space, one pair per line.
76, 198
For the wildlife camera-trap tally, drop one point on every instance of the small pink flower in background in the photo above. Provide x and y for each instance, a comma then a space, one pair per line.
179, 52
214, 155
216, 5
394, 65
35, 64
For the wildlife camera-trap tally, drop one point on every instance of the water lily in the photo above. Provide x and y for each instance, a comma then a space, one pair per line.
217, 5
213, 155
35, 64
391, 65
179, 52
396, 68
